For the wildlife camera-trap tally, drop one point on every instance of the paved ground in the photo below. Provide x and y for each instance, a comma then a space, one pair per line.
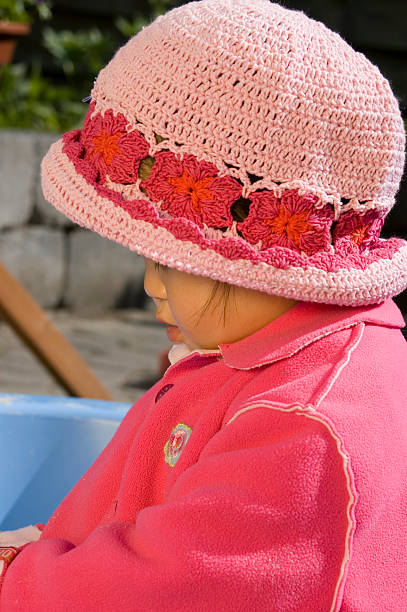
121, 347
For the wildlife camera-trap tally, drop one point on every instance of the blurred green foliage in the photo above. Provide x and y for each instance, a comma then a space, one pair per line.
24, 11
30, 100
82, 52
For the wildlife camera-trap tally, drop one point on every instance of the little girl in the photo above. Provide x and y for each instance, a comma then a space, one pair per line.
251, 156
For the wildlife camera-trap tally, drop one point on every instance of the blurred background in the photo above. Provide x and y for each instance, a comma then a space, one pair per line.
91, 288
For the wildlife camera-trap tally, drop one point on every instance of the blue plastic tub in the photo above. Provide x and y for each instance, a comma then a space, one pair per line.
47, 444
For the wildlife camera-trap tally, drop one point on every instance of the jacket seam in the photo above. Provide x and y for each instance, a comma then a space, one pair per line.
357, 335
349, 484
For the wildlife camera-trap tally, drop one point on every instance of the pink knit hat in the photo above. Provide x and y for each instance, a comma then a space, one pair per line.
245, 142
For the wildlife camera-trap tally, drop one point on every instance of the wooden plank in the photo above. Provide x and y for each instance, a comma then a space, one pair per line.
35, 328
121, 346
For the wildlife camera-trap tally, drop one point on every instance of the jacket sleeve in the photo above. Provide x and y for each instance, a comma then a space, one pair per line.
262, 521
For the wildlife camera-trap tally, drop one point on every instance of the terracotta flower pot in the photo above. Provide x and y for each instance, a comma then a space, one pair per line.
9, 33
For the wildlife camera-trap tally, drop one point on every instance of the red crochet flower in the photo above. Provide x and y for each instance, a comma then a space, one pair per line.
291, 221
191, 189
111, 148
362, 230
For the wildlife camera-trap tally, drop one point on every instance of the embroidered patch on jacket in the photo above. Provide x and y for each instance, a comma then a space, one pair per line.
175, 445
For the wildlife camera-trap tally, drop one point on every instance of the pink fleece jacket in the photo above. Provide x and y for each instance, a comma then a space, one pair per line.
271, 475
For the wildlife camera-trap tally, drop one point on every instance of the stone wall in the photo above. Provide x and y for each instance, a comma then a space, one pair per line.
59, 263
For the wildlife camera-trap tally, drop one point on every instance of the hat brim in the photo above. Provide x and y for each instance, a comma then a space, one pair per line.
70, 193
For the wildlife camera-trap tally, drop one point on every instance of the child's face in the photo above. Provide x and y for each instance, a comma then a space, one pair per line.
180, 298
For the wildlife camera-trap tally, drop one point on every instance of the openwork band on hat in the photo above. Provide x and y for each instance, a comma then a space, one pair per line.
245, 142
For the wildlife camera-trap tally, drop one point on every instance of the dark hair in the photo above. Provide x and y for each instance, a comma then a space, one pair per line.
224, 296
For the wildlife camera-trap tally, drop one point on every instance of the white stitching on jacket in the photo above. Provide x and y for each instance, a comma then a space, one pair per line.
356, 338
346, 468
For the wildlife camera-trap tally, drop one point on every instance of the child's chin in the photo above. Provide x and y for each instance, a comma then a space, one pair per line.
175, 334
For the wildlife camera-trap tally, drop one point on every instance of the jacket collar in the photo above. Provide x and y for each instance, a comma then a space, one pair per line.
179, 350
300, 326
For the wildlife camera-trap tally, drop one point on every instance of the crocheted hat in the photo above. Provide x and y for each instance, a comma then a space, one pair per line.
245, 142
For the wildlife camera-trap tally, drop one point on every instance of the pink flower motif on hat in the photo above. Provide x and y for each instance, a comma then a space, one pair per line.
191, 189
362, 230
176, 443
291, 221
111, 148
